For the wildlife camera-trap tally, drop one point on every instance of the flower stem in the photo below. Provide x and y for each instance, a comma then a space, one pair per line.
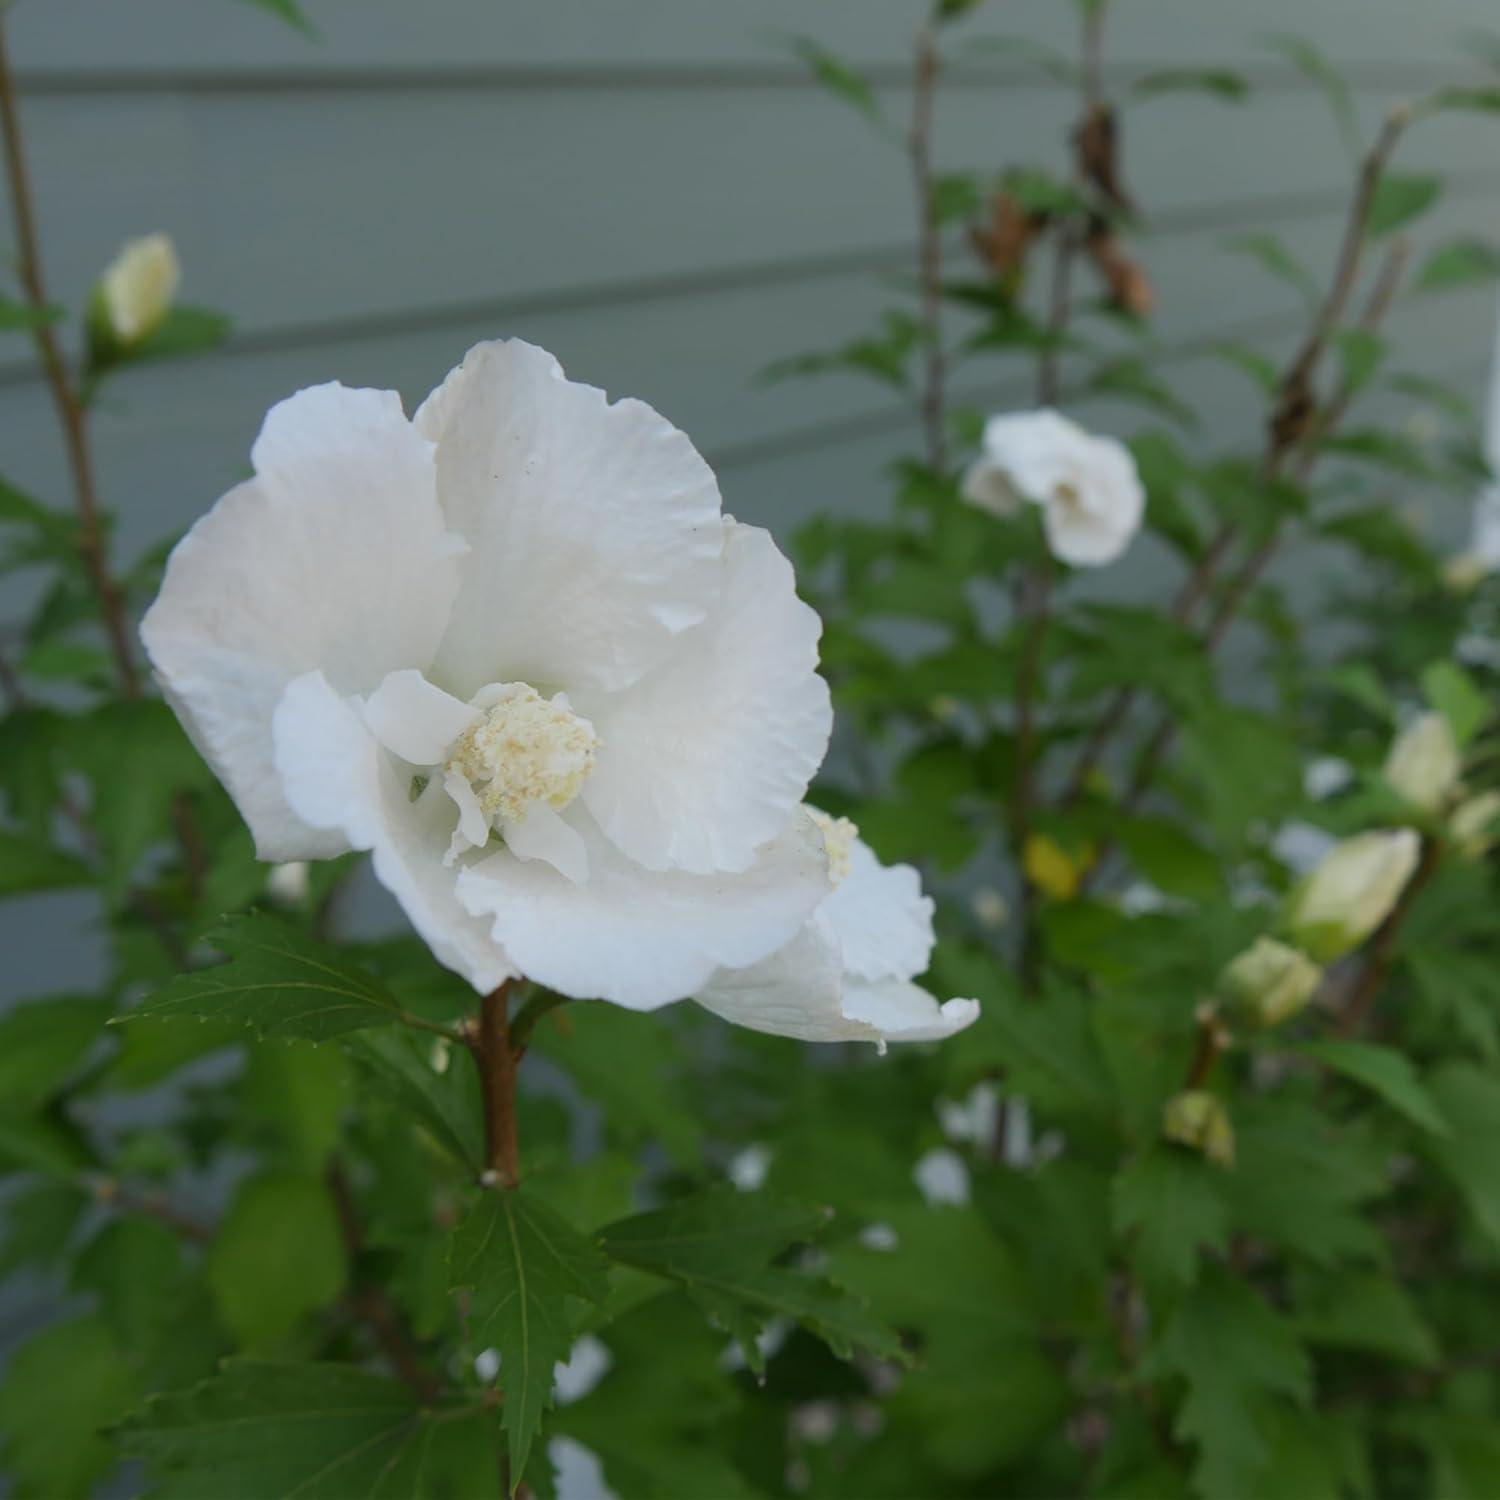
90, 536
929, 252
496, 1058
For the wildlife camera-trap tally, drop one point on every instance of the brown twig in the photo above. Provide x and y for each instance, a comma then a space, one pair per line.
489, 1042
90, 534
1381, 952
371, 1304
1210, 1043
111, 1194
1295, 422
929, 252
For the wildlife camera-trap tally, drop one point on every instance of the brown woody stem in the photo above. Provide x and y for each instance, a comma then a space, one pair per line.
490, 1044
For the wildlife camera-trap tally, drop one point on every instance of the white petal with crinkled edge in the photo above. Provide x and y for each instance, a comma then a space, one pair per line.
642, 938
594, 526
904, 1012
336, 775
416, 720
1034, 448
1083, 541
334, 557
544, 834
880, 917
987, 486
704, 759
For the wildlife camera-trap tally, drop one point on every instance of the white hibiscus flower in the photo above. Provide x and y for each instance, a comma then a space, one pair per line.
1091, 496
512, 647
847, 976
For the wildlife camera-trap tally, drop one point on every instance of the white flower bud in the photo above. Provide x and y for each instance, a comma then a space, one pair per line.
1270, 981
1472, 826
1424, 765
137, 288
1352, 891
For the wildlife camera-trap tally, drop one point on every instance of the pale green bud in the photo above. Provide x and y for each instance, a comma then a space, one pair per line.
132, 298
1351, 891
1270, 981
1423, 766
1473, 824
1197, 1119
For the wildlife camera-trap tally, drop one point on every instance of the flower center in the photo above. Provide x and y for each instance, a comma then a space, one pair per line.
839, 835
525, 752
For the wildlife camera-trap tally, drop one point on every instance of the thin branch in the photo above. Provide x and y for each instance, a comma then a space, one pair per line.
111, 1194
1294, 421
929, 252
372, 1305
1381, 953
1210, 1043
489, 1042
90, 535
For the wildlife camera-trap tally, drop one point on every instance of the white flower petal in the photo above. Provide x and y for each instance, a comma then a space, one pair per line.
797, 992
1083, 541
705, 758
904, 1012
416, 720
543, 834
335, 557
594, 527
641, 938
987, 486
336, 775
473, 831
881, 919
1034, 448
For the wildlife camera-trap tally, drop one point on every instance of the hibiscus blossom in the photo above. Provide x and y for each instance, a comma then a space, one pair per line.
512, 647
1090, 494
847, 975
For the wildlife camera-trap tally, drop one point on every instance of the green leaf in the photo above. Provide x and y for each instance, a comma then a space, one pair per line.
1469, 1098
27, 865
838, 77
1460, 263
716, 1244
1455, 695
520, 1263
1278, 260
1360, 352
134, 1267
41, 1043
62, 1388
954, 10
277, 983
1365, 1311
1234, 1353
716, 1230
1171, 1201
190, 330
278, 1256
288, 11
1383, 1071
1400, 198
22, 317
1311, 63
1170, 858
1481, 101
1221, 83
314, 1431
399, 1064
1259, 367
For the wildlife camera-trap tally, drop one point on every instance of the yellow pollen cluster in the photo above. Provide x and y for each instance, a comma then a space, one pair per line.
524, 752
839, 835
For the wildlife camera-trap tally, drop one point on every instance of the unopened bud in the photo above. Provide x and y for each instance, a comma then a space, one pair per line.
1351, 891
1270, 981
1473, 826
1423, 765
1198, 1120
135, 293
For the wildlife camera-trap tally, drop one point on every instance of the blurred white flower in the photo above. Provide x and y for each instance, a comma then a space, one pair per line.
747, 1169
137, 288
512, 647
588, 1362
974, 1118
1091, 496
846, 976
942, 1177
881, 1237
1423, 766
1352, 891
